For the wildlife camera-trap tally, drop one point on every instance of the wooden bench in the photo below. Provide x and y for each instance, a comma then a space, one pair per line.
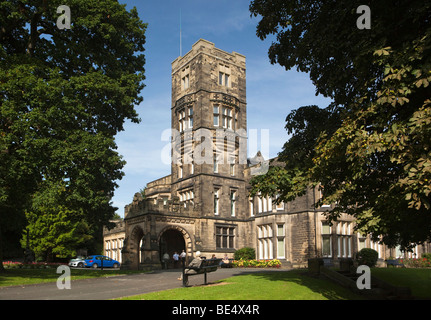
227, 265
206, 266
395, 263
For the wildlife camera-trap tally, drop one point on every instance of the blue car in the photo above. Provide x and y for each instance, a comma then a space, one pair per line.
96, 261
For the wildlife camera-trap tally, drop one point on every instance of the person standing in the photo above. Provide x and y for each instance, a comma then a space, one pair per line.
176, 258
183, 256
165, 260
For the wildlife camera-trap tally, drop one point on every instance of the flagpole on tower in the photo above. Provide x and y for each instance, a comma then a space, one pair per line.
181, 49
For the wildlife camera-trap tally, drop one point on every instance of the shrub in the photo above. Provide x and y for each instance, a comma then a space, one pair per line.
367, 256
426, 256
245, 254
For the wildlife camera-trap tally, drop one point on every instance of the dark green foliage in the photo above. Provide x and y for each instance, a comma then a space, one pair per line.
245, 254
64, 95
367, 256
371, 149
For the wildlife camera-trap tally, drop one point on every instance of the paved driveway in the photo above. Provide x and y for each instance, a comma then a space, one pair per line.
112, 287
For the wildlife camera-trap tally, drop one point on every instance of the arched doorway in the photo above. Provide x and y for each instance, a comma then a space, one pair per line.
171, 240
136, 240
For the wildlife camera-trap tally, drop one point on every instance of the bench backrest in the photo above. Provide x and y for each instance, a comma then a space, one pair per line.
210, 262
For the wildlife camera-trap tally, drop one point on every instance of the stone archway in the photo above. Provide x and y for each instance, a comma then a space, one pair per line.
134, 247
174, 238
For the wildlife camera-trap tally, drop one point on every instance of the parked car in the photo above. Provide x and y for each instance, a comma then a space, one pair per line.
77, 262
96, 261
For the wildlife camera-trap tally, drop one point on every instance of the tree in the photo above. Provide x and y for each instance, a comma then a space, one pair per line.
55, 232
289, 174
377, 164
64, 95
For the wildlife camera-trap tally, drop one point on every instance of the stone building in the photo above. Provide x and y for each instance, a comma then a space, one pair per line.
204, 204
114, 240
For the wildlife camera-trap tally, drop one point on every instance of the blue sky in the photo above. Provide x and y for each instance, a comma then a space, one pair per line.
272, 92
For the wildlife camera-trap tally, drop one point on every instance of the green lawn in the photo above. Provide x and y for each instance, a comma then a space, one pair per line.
14, 277
418, 280
290, 285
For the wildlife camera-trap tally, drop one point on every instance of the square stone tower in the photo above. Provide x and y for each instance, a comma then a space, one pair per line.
209, 121
203, 205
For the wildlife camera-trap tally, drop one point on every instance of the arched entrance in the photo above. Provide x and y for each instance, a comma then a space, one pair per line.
173, 239
136, 239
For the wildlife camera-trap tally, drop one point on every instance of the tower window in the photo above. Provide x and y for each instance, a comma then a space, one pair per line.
190, 118
224, 76
185, 81
185, 78
187, 198
232, 169
223, 79
181, 121
215, 162
216, 116
227, 118
180, 171
216, 201
232, 203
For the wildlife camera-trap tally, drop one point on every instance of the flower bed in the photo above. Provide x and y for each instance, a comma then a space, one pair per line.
31, 265
416, 263
256, 263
